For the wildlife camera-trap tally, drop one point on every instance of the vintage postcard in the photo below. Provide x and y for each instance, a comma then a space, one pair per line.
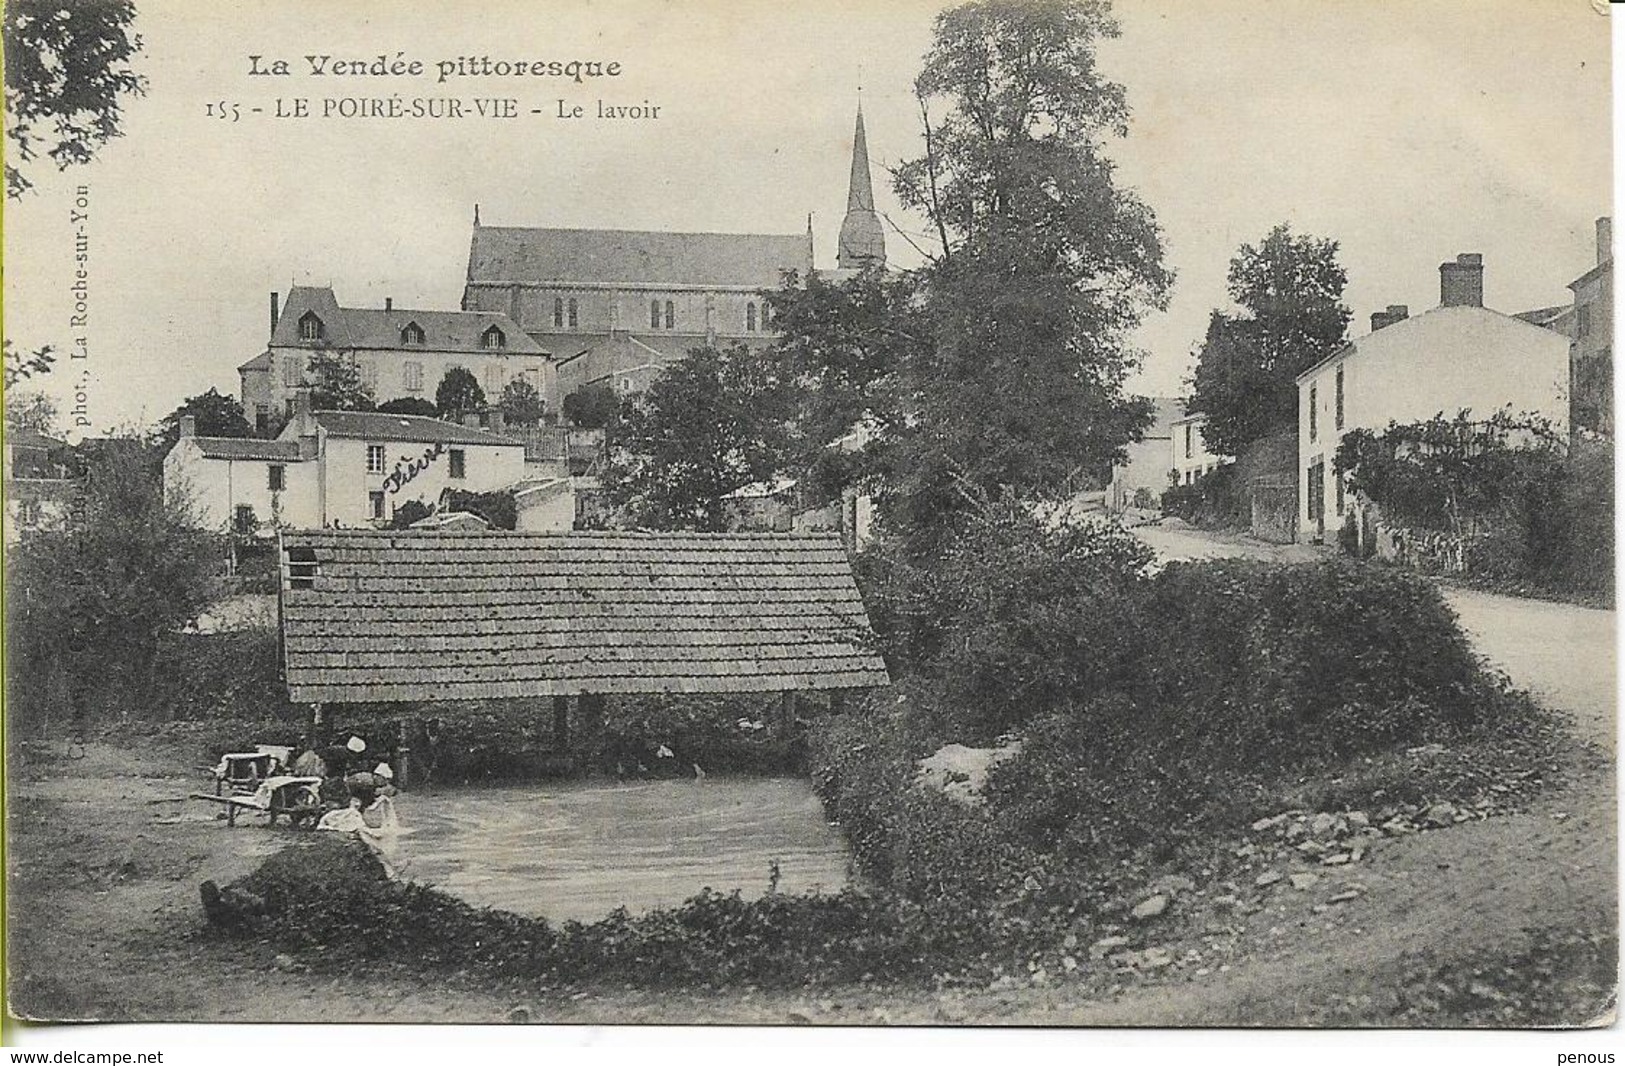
1085, 513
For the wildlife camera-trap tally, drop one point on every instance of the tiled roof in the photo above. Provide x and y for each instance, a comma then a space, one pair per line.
528, 256
261, 361
248, 448
376, 328
458, 615
373, 425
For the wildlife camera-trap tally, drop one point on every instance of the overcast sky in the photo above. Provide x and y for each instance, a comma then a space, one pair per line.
1406, 131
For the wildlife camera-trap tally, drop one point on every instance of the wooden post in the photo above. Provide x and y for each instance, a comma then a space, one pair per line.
787, 713
561, 723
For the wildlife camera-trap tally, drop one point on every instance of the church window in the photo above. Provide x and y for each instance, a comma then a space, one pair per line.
310, 327
558, 313
572, 314
654, 314
412, 333
750, 318
493, 338
671, 315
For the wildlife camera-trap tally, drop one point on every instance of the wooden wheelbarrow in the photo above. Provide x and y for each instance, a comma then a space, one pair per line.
300, 798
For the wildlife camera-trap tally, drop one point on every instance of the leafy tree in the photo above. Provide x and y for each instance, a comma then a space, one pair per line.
1045, 265
67, 72
408, 405
592, 407
458, 394
1290, 291
31, 411
521, 404
409, 512
711, 424
90, 608
336, 383
216, 414
20, 365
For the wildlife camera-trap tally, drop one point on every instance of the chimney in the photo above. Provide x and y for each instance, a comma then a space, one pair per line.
1383, 319
1605, 240
304, 423
274, 307
389, 303
188, 426
1461, 283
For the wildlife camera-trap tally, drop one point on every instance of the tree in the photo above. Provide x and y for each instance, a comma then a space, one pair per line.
67, 72
521, 404
90, 608
33, 411
592, 407
408, 405
458, 394
20, 365
215, 414
336, 384
716, 422
1012, 370
1290, 291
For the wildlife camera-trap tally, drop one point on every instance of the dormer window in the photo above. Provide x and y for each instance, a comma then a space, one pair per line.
493, 338
310, 327
412, 333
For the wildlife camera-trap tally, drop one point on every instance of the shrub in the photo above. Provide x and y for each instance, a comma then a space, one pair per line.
1016, 616
1212, 502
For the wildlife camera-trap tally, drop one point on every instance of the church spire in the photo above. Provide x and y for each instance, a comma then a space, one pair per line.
863, 241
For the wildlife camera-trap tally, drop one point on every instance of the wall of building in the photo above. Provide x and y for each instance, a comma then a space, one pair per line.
1146, 467
386, 372
349, 487
217, 487
1190, 454
695, 312
1450, 359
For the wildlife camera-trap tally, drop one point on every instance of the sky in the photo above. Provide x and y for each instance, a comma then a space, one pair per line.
1407, 132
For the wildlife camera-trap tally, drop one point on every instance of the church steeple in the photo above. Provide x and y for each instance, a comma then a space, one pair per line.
863, 242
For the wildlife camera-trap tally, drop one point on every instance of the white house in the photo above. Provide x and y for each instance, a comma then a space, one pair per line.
1145, 461
398, 352
1458, 356
1192, 460
336, 468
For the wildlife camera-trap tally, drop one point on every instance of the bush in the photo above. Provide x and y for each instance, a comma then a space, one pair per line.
1016, 616
1212, 502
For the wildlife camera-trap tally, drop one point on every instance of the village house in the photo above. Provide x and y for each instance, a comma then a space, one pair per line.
616, 307
38, 489
1143, 473
1459, 356
335, 468
1192, 460
398, 352
1588, 321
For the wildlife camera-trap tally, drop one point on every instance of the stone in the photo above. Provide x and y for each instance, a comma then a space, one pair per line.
1268, 878
1358, 819
1296, 831
1264, 825
286, 963
1344, 896
1156, 958
1397, 827
1150, 907
1341, 858
1312, 847
1173, 884
1068, 963
1071, 942
1440, 815
1107, 946
1323, 825
520, 1015
1304, 882
1226, 902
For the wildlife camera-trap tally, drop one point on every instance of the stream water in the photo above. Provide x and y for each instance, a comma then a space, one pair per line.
577, 851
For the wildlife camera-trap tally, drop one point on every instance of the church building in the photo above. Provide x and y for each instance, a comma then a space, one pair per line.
616, 307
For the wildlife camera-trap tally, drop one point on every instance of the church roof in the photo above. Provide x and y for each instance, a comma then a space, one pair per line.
377, 616
503, 255
368, 327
